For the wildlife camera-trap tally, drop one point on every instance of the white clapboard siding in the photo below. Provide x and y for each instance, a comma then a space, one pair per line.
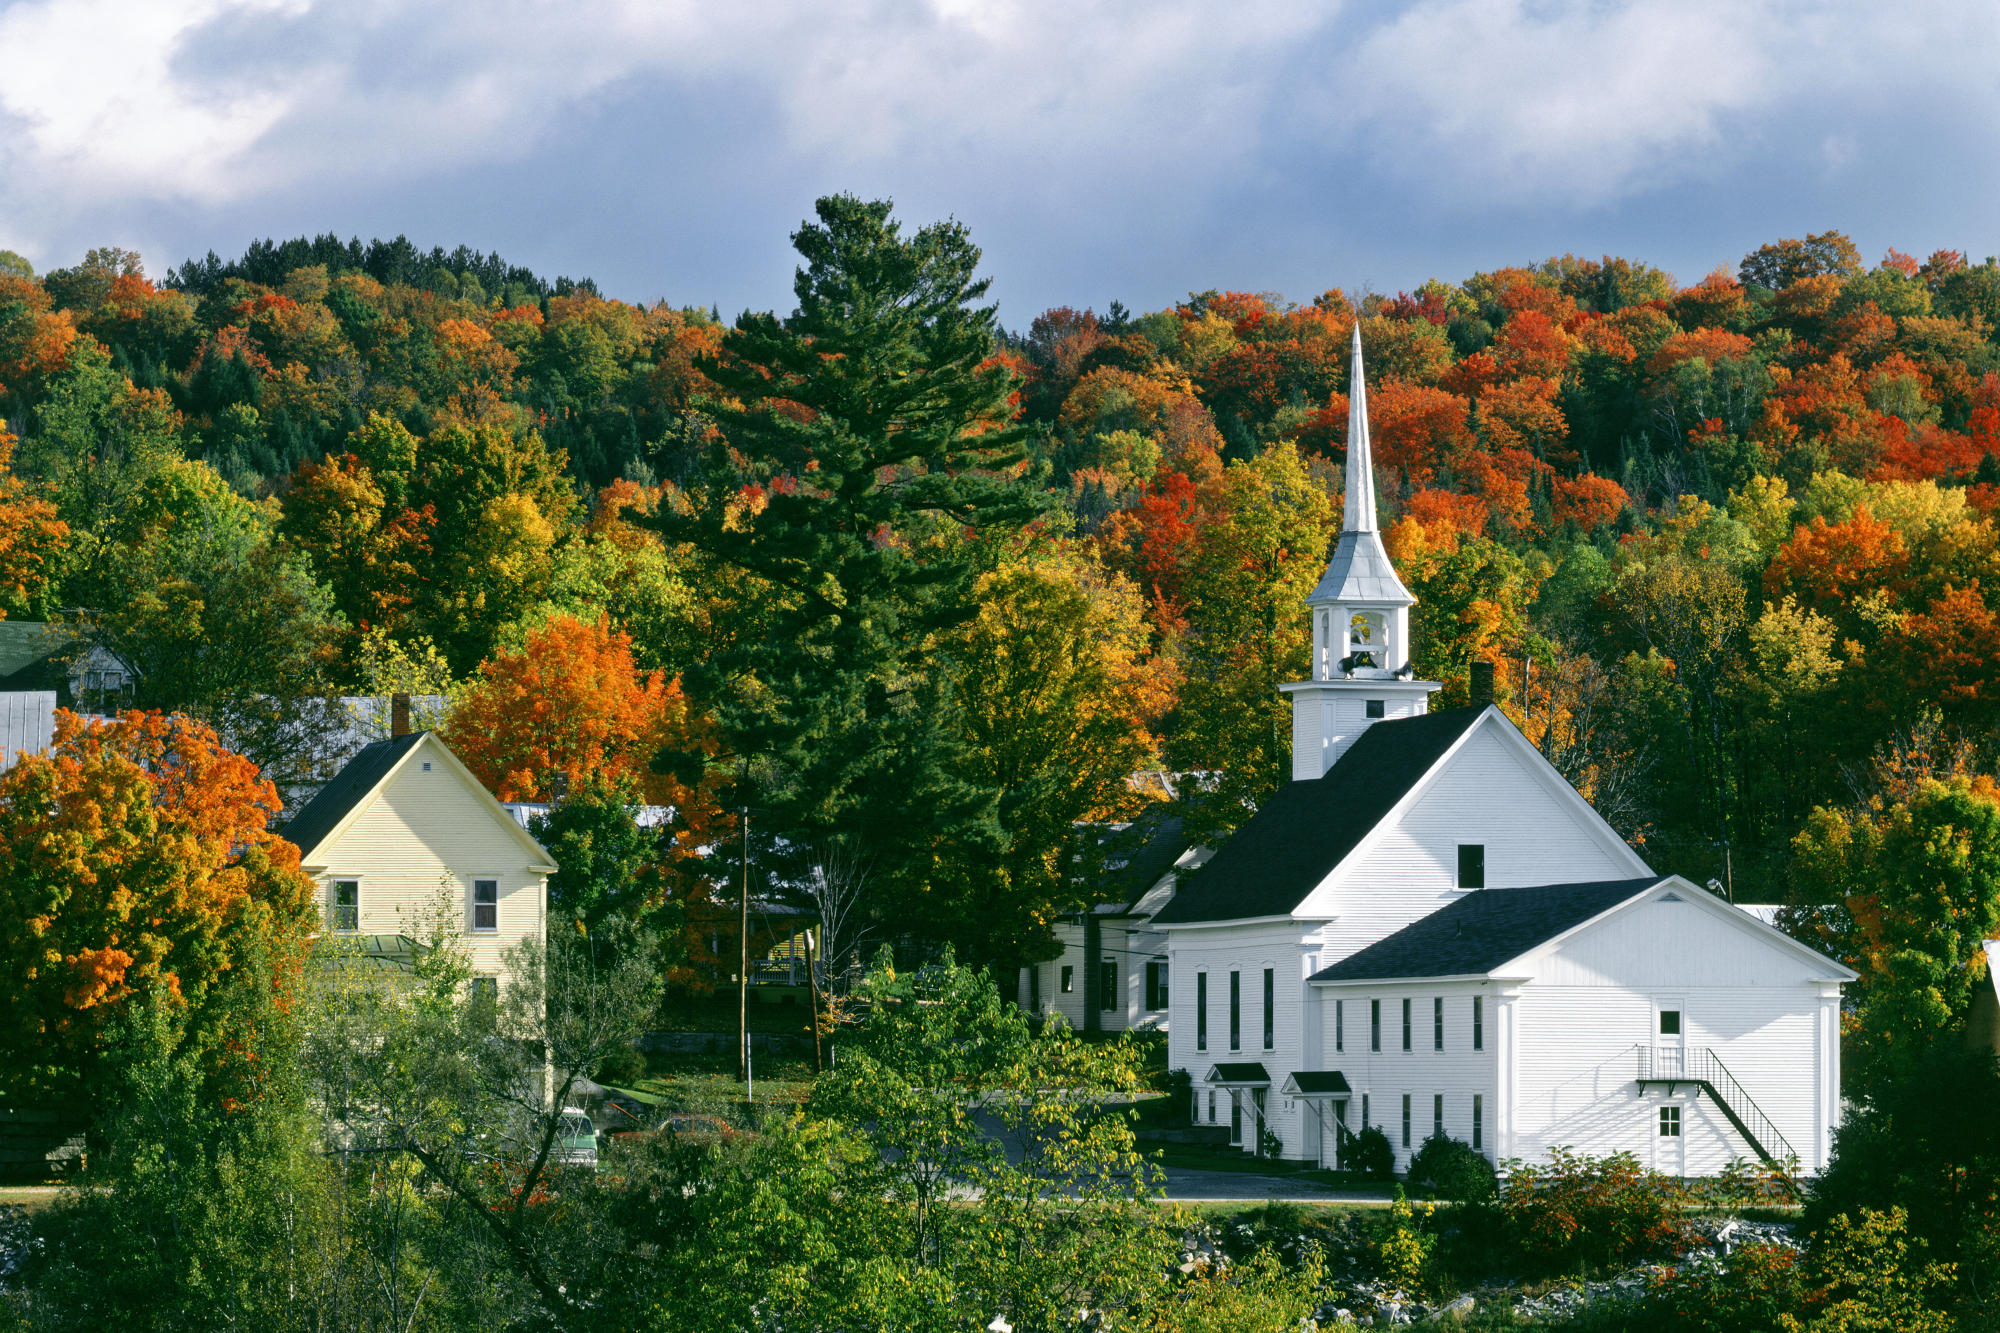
1763, 1009
1492, 793
1577, 1065
1118, 943
1247, 950
416, 847
1458, 1072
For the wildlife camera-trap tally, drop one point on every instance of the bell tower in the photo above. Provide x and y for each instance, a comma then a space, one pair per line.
1361, 670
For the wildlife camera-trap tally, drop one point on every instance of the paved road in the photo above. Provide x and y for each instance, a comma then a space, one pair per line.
1187, 1184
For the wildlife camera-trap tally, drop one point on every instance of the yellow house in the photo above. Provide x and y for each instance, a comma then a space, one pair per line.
405, 833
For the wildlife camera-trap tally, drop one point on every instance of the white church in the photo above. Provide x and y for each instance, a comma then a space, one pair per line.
1428, 930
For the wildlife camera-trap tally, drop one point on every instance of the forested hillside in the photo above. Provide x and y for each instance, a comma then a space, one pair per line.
923, 591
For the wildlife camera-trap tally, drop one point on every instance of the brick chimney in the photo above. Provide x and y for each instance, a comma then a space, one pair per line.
399, 709
1482, 684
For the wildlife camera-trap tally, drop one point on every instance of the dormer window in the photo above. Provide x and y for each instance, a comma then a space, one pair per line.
1472, 865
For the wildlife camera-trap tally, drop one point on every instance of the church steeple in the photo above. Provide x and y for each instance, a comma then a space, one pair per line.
1358, 512
1361, 670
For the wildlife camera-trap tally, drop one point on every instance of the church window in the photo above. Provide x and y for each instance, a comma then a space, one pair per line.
1374, 1025
1235, 1011
1437, 1115
1406, 1023
1406, 1120
1107, 986
1068, 980
1472, 865
1670, 1122
1270, 1009
1375, 707
1479, 1022
1156, 987
1437, 1023
1211, 1106
1364, 1110
1201, 1015
1478, 1122
1340, 1025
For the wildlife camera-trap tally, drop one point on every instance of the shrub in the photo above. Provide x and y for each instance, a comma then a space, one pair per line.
622, 1066
1180, 1095
1869, 1274
1914, 1146
1370, 1154
1447, 1168
1405, 1252
1583, 1210
1749, 1292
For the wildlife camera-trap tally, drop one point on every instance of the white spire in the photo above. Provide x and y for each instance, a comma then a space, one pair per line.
1359, 572
1358, 514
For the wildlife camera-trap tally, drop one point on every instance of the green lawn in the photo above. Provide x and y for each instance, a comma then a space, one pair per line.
717, 1013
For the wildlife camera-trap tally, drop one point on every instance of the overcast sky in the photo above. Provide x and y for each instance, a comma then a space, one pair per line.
1097, 150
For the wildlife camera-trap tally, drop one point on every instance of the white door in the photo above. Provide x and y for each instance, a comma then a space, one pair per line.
1669, 1139
1669, 1039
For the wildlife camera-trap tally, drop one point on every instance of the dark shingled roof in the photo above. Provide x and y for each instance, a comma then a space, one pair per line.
1245, 1072
1483, 930
1319, 1082
350, 787
1307, 828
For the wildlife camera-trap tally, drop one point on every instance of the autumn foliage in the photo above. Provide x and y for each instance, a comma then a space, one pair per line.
571, 704
137, 865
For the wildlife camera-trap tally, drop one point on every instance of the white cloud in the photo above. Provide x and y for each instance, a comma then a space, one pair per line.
1137, 115
96, 105
1581, 103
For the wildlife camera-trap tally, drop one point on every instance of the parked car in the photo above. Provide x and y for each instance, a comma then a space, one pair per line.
576, 1140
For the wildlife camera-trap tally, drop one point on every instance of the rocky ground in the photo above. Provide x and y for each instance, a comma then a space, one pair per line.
13, 1239
1368, 1302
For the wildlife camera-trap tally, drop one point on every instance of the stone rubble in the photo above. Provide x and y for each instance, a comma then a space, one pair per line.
1363, 1301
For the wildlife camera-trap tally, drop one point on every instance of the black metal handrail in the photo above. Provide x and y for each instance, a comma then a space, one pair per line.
1702, 1067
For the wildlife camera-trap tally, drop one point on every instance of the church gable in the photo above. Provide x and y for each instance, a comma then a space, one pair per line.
1492, 791
1679, 938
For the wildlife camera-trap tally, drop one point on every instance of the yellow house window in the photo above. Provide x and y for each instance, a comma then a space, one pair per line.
347, 906
486, 904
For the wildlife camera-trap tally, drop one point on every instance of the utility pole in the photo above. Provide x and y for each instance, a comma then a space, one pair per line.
812, 997
743, 961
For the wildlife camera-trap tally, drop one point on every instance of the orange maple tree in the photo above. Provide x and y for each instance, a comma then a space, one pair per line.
137, 863
31, 536
571, 705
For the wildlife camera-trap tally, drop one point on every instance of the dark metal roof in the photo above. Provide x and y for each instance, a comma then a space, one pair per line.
1483, 930
1296, 838
31, 655
1244, 1072
348, 789
1318, 1082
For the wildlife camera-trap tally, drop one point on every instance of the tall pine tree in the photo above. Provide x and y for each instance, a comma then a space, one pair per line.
865, 454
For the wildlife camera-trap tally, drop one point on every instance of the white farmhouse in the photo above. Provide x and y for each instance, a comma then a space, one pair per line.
1428, 930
